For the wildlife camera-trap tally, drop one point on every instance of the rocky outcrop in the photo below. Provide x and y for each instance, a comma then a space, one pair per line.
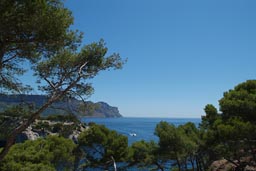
250, 168
224, 165
32, 134
28, 134
103, 110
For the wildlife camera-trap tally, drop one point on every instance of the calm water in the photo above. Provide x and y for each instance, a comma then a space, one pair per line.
137, 129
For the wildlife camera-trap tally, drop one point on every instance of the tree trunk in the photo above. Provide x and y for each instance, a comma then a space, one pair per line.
178, 163
1, 55
253, 152
78, 156
114, 163
198, 167
192, 163
186, 164
11, 139
159, 166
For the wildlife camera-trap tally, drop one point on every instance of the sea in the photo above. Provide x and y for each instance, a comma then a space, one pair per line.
137, 129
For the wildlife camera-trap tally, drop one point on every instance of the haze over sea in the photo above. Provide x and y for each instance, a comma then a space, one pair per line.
142, 127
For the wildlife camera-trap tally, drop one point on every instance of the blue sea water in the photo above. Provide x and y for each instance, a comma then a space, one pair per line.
137, 129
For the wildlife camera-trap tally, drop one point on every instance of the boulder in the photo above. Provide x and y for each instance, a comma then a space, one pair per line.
222, 165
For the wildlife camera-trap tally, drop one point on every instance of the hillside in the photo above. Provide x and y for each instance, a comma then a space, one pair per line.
89, 109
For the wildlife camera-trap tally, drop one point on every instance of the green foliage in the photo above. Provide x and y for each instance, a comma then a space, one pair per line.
102, 144
63, 125
191, 138
240, 102
63, 118
52, 153
38, 33
30, 29
69, 70
63, 130
9, 119
231, 134
170, 140
178, 143
41, 125
144, 153
236, 129
16, 111
226, 139
210, 117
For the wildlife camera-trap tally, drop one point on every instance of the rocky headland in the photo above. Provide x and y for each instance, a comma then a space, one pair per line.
64, 106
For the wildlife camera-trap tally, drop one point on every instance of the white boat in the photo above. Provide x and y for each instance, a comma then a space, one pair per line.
133, 134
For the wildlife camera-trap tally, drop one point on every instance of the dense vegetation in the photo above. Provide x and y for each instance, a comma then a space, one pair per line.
38, 33
185, 147
51, 153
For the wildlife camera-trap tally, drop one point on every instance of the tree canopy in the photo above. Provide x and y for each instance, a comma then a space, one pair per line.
184, 147
145, 154
178, 143
35, 35
29, 30
103, 147
52, 153
38, 33
240, 102
231, 133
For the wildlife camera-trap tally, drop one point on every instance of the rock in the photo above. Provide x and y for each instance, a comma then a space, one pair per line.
221, 165
63, 107
103, 110
74, 136
33, 134
28, 134
224, 165
249, 168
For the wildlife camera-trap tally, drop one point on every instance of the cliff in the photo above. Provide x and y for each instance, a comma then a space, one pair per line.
65, 106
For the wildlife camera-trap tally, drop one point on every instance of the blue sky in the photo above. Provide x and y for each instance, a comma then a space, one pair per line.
182, 54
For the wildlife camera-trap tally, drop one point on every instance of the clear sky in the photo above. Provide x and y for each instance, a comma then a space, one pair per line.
182, 54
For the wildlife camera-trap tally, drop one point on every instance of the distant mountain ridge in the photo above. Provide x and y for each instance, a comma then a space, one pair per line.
89, 109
